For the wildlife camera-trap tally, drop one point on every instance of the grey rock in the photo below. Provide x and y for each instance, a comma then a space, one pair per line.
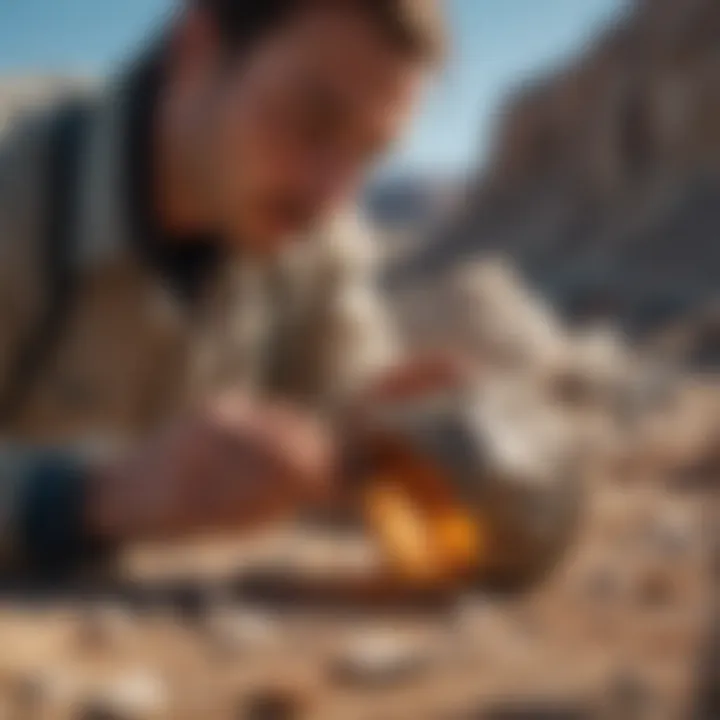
273, 703
240, 632
139, 695
628, 697
380, 659
104, 628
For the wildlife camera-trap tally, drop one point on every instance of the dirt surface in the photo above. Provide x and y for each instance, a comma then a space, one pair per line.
622, 630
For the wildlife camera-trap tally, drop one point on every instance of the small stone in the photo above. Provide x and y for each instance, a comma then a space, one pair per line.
241, 632
98, 710
470, 615
540, 709
103, 628
274, 703
380, 659
30, 694
671, 538
628, 696
192, 601
137, 696
657, 586
602, 585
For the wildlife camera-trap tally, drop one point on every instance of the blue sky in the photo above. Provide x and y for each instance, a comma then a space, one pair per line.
498, 43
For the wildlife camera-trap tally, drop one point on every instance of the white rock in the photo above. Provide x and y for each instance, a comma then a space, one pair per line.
242, 631
139, 695
380, 658
104, 628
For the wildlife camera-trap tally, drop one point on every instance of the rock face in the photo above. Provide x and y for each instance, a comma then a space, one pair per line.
604, 187
410, 201
20, 94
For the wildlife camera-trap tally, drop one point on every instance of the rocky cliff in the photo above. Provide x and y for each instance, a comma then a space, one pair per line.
604, 183
19, 94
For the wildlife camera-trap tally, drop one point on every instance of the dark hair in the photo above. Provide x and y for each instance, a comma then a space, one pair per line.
414, 26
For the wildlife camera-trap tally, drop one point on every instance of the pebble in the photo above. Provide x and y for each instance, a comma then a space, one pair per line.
657, 586
602, 585
274, 703
139, 695
541, 708
628, 696
104, 628
380, 659
671, 538
98, 710
470, 616
241, 632
193, 601
30, 694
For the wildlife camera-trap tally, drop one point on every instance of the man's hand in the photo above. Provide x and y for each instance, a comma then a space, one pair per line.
230, 467
418, 377
411, 381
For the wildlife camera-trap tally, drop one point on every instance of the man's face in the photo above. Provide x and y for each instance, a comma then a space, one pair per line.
294, 125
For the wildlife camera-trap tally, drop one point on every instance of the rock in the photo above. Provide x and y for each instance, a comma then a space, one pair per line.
274, 703
498, 319
603, 585
470, 614
99, 710
672, 538
104, 628
604, 185
595, 369
241, 632
22, 94
628, 697
30, 695
193, 600
138, 695
694, 340
541, 708
380, 659
513, 460
707, 695
657, 586
652, 387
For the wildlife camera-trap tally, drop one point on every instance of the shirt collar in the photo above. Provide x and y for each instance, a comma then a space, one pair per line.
185, 263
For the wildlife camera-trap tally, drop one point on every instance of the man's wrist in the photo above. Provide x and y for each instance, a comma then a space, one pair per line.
56, 539
107, 516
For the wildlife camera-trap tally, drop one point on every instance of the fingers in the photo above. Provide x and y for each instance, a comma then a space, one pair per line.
420, 376
294, 447
304, 449
231, 467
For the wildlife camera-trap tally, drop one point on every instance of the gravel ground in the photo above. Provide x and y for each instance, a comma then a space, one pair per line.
623, 629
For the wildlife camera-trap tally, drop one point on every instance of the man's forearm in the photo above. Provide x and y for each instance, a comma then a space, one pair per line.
230, 467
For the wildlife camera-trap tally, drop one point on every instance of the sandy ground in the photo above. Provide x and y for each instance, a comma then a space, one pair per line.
623, 629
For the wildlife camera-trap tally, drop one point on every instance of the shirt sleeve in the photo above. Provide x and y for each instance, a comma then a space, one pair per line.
43, 495
42, 490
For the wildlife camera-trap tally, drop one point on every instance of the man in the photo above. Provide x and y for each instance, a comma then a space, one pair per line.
178, 271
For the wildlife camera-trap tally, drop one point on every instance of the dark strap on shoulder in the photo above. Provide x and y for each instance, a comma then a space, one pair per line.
58, 256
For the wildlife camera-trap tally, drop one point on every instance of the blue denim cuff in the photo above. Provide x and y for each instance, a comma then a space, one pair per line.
52, 528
